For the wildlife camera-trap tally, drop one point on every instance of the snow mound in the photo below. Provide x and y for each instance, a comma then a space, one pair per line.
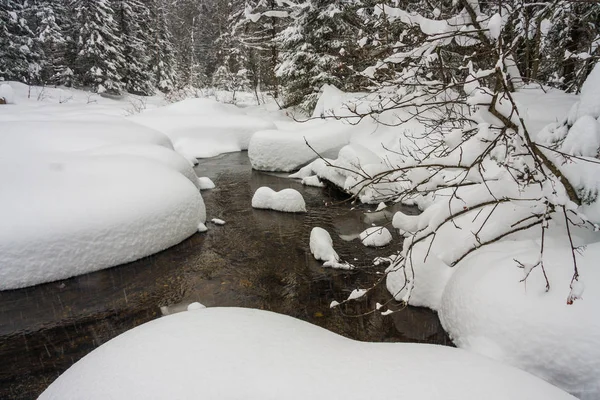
68, 215
87, 192
287, 200
75, 134
486, 309
7, 94
287, 150
205, 183
199, 354
321, 245
376, 236
202, 227
202, 128
161, 154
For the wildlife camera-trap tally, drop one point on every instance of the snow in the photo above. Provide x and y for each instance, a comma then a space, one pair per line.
286, 149
495, 26
160, 154
195, 306
357, 294
286, 200
430, 271
204, 127
66, 215
39, 134
85, 188
6, 93
232, 353
583, 138
202, 227
487, 309
321, 245
312, 181
205, 183
381, 206
376, 236
590, 95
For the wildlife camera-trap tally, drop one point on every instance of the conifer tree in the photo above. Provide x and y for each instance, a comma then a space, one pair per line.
99, 49
317, 49
19, 57
48, 22
133, 19
162, 63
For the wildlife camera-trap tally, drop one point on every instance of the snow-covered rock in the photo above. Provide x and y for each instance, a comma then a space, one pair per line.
486, 308
205, 183
376, 236
233, 353
321, 245
287, 200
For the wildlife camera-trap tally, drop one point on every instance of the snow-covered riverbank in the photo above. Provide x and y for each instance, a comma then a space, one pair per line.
90, 188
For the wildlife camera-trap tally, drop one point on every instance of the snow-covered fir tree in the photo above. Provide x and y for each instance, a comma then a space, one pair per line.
133, 18
99, 56
48, 22
256, 24
188, 19
163, 63
19, 51
318, 48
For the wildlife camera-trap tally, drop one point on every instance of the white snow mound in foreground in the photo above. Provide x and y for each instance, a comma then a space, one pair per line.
287, 200
234, 353
376, 236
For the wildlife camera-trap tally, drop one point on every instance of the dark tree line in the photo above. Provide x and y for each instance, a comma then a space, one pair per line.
287, 47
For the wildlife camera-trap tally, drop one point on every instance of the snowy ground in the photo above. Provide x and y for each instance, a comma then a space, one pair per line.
84, 188
232, 353
73, 161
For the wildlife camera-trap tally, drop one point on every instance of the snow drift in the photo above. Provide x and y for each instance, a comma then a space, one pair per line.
233, 353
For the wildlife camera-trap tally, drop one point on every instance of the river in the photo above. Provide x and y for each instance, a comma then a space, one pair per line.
258, 259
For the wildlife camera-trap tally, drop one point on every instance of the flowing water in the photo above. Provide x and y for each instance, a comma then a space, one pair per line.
258, 259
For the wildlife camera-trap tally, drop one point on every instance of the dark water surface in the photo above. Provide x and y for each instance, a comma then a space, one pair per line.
258, 259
